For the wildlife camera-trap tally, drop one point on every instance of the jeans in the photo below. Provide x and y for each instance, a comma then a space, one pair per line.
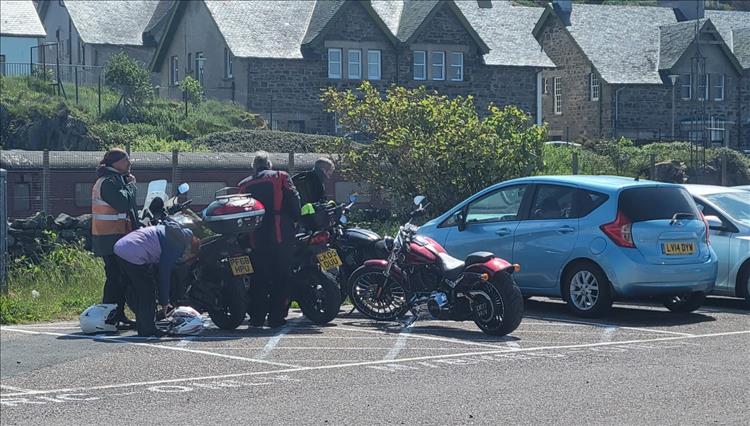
143, 280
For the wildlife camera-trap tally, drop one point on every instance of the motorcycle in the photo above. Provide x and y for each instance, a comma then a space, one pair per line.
421, 277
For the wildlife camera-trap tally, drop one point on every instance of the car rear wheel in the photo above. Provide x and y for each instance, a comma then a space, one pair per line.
746, 277
685, 303
587, 291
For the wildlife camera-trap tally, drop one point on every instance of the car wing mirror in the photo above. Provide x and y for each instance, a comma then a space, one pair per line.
461, 220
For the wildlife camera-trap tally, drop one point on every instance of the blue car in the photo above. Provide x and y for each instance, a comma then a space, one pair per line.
589, 239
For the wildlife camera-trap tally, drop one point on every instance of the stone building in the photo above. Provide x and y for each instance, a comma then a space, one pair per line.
276, 57
673, 72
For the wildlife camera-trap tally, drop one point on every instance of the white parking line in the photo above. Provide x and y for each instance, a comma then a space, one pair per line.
380, 362
419, 336
150, 345
403, 336
273, 341
605, 325
15, 389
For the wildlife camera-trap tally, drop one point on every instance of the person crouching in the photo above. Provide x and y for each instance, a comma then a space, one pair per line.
160, 245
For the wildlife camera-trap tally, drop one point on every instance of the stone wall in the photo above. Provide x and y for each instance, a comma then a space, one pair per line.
34, 236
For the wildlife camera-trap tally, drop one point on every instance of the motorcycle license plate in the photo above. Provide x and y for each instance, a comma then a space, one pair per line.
241, 265
677, 249
329, 259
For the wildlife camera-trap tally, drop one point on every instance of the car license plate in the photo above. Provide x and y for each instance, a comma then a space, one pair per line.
329, 259
241, 265
678, 248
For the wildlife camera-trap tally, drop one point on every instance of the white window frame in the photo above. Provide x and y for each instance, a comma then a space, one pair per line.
174, 70
228, 65
440, 65
457, 64
717, 130
354, 64
422, 64
546, 86
594, 87
371, 55
719, 88
200, 59
336, 64
558, 96
688, 85
706, 85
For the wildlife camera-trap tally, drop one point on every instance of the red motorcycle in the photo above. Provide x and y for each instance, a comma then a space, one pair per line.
419, 276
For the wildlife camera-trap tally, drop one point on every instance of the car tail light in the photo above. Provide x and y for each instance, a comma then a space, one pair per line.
320, 238
620, 231
708, 228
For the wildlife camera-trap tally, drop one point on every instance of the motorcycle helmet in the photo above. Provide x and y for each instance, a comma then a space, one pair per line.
185, 321
99, 319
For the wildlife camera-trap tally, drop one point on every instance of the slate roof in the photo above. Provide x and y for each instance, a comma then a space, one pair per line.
323, 12
413, 14
120, 22
19, 18
674, 39
734, 27
507, 30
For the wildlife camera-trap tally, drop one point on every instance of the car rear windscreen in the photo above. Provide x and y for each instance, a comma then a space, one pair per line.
643, 204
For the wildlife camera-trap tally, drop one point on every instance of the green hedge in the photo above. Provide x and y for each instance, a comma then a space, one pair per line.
266, 140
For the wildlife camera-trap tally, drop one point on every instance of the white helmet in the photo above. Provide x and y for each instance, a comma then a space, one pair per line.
99, 318
185, 321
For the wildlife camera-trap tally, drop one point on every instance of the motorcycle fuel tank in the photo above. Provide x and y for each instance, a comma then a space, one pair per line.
358, 236
234, 214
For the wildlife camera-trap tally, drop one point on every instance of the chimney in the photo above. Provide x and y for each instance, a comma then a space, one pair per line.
686, 10
563, 8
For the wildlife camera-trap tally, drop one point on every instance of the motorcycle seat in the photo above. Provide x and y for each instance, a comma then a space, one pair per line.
479, 257
452, 267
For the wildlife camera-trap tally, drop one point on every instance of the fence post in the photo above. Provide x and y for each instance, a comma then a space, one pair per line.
575, 163
724, 177
290, 164
175, 171
652, 167
100, 93
76, 80
45, 181
3, 232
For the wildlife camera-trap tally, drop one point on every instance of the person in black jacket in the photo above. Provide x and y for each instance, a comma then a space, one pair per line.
312, 183
273, 242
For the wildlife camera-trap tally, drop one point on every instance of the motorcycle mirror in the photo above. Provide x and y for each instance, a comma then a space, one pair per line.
419, 199
183, 188
344, 220
353, 198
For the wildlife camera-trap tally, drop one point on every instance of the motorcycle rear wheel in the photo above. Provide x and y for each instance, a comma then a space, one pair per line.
232, 305
506, 310
376, 296
319, 298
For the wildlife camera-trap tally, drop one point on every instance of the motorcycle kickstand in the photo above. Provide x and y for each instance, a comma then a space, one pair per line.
351, 311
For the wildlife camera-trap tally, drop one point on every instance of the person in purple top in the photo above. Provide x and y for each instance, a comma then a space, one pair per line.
162, 246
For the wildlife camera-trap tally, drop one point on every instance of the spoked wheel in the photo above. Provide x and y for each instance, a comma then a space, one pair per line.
319, 298
232, 305
498, 307
378, 297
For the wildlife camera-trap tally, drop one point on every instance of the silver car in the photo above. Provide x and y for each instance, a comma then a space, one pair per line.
727, 211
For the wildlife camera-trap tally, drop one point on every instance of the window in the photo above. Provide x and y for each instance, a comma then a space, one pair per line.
174, 71
546, 85
646, 204
420, 70
686, 87
228, 65
457, 66
437, 68
22, 197
558, 96
203, 193
703, 87
563, 202
334, 63
354, 64
81, 52
297, 126
717, 129
199, 59
373, 65
83, 194
499, 206
189, 64
594, 87
719, 87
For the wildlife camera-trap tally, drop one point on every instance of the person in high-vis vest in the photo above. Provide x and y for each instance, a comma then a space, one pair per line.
273, 242
113, 215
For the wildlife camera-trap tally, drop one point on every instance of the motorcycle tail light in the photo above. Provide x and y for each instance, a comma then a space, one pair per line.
320, 238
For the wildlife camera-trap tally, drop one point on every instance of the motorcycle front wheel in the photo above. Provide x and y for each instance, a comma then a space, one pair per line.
231, 306
376, 296
498, 307
319, 297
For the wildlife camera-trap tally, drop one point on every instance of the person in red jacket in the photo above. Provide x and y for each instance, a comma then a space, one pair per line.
273, 242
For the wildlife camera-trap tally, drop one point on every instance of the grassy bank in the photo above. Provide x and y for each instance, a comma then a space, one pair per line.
61, 286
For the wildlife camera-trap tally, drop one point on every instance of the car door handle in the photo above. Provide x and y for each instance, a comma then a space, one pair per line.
503, 232
565, 229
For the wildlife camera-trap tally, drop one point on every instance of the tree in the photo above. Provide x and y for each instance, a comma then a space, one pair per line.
192, 89
131, 79
420, 142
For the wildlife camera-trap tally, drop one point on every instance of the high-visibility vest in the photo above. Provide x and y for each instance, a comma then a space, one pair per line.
105, 220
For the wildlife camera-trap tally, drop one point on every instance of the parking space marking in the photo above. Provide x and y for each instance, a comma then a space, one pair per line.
15, 389
419, 336
273, 341
381, 362
605, 325
151, 345
403, 336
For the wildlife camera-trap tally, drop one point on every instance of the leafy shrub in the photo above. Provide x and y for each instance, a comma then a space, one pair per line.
130, 78
192, 89
271, 141
150, 143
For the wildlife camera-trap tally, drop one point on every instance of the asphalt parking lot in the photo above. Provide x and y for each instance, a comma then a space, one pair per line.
641, 365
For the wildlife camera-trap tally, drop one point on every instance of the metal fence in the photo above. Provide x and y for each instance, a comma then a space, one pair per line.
3, 231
